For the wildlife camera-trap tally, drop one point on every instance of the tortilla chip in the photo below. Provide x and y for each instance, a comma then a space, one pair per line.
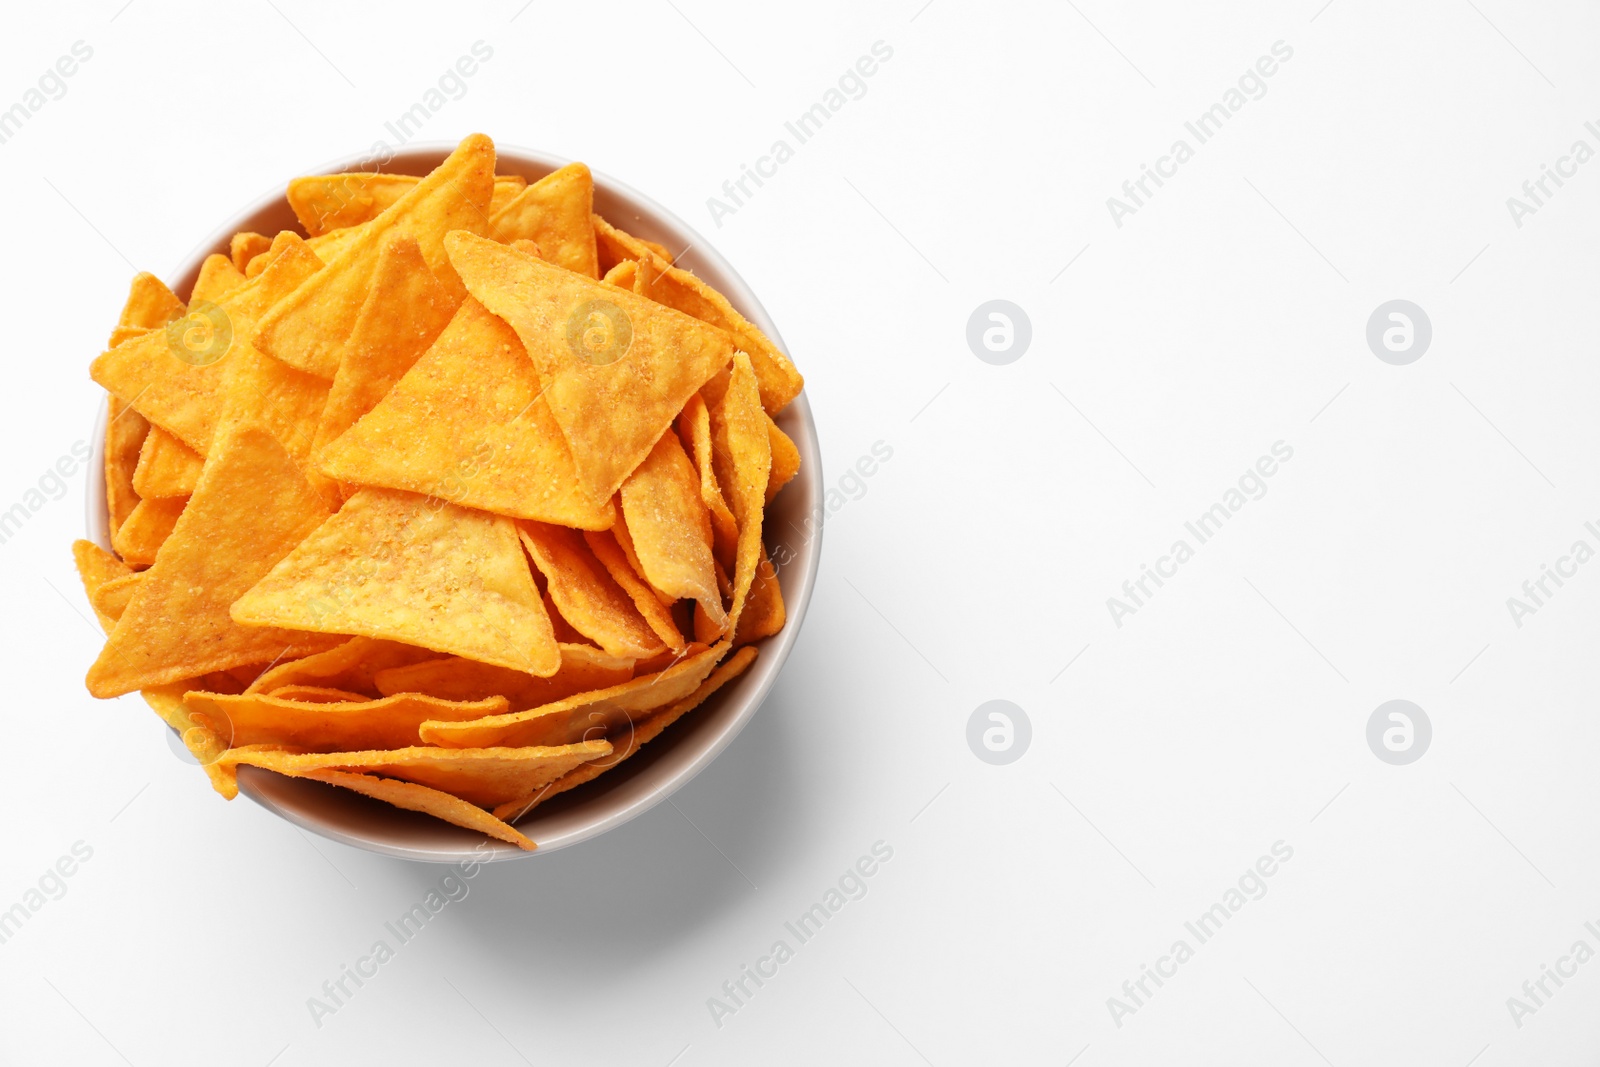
694, 427
485, 777
622, 275
785, 459
670, 528
566, 633
618, 246
586, 594
247, 246
611, 413
678, 288
146, 529
174, 377
167, 467
205, 746
352, 666
308, 330
150, 305
96, 567
250, 508
317, 726
406, 568
325, 203
742, 455
656, 614
593, 714
415, 797
218, 276
467, 424
111, 599
583, 667
764, 613
317, 694
125, 434
630, 741
404, 313
554, 214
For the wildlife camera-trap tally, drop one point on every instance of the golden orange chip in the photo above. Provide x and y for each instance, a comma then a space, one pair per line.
670, 528
583, 667
309, 328
742, 455
218, 276
785, 459
629, 741
325, 726
658, 615
622, 275
317, 694
586, 594
554, 214
467, 424
618, 246
406, 568
566, 634
247, 246
616, 368
328, 246
583, 715
694, 425
125, 434
111, 599
150, 305
481, 776
404, 313
146, 529
668, 658
96, 567
353, 666
325, 203
764, 613
677, 288
415, 797
167, 467
167, 702
251, 507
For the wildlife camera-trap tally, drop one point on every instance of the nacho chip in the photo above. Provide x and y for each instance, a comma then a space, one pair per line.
167, 467
406, 568
586, 594
618, 246
629, 741
245, 247
309, 328
325, 203
111, 599
251, 507
622, 275
694, 426
415, 797
125, 434
146, 529
150, 305
741, 452
656, 614
764, 613
218, 276
319, 726
352, 666
485, 777
404, 313
583, 668
616, 368
554, 213
167, 702
467, 424
96, 567
317, 694
585, 715
785, 459
669, 526
566, 633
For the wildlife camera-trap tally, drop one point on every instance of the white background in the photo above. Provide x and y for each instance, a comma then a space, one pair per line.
1226, 715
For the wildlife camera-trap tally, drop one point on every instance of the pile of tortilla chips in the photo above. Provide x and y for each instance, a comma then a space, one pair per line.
454, 501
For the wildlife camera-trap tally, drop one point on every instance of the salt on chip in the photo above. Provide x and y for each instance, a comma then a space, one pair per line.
554, 213
149, 306
325, 203
403, 567
583, 667
593, 714
670, 527
616, 368
485, 777
320, 726
309, 328
694, 427
467, 424
586, 594
167, 467
353, 665
658, 615
741, 452
630, 741
96, 567
147, 528
125, 434
246, 246
251, 507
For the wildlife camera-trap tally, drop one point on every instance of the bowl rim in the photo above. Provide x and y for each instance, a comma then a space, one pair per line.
751, 690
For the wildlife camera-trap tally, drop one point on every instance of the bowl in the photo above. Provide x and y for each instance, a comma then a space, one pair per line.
665, 765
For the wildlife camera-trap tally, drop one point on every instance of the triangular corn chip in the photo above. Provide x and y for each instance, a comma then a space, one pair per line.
413, 797
622, 275
616, 368
96, 567
586, 594
392, 722
146, 528
112, 598
741, 452
595, 714
629, 741
670, 527
694, 426
245, 247
308, 330
150, 305
554, 213
785, 459
467, 424
618, 246
656, 614
325, 203
251, 507
404, 313
353, 665
317, 694
763, 613
583, 667
125, 433
167, 467
218, 276
406, 568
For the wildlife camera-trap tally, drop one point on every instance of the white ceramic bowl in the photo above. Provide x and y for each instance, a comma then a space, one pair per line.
666, 764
